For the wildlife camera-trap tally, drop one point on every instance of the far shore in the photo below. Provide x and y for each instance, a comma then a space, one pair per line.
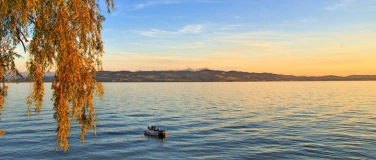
207, 75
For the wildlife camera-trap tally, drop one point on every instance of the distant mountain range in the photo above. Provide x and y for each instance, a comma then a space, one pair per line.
207, 75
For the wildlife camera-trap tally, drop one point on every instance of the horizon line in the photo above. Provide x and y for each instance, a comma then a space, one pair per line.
200, 69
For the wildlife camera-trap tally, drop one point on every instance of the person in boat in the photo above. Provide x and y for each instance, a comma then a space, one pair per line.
153, 128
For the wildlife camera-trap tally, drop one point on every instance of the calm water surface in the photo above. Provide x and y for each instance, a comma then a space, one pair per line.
254, 120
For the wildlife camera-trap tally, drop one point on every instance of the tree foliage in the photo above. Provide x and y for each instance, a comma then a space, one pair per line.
64, 35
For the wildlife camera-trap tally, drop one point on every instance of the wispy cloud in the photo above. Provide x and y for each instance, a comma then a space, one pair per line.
305, 20
237, 17
154, 3
241, 37
195, 29
167, 2
340, 4
230, 27
188, 29
194, 45
155, 32
139, 61
314, 53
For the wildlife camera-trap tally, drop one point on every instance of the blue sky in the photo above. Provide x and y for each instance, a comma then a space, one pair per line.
300, 37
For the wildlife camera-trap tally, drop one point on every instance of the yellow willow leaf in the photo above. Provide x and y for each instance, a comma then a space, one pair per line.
65, 34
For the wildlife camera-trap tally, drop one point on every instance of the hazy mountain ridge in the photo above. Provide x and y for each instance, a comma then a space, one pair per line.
207, 75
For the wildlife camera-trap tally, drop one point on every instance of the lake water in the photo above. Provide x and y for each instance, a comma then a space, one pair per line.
251, 120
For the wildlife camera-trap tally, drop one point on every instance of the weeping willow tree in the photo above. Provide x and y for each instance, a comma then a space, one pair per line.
65, 35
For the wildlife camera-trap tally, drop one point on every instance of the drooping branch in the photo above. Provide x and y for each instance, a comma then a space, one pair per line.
65, 33
23, 44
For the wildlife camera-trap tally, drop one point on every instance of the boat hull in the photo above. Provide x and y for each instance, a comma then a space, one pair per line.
161, 134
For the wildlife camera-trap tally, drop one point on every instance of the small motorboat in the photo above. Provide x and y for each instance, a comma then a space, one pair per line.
153, 131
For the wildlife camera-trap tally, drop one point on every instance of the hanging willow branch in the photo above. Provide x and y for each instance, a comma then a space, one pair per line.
65, 34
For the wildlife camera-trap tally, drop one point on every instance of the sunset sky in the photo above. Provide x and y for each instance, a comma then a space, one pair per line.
298, 37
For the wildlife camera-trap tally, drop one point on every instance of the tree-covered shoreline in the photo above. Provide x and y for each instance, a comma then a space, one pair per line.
207, 75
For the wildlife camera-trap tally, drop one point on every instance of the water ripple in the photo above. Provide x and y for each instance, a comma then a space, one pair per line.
281, 120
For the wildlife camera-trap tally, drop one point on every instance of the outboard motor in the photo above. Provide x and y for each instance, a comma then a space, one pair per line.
162, 133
